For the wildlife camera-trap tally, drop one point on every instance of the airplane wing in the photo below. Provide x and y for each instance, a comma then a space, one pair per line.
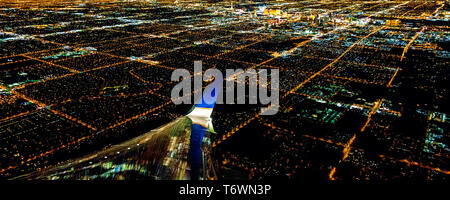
157, 154
201, 122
